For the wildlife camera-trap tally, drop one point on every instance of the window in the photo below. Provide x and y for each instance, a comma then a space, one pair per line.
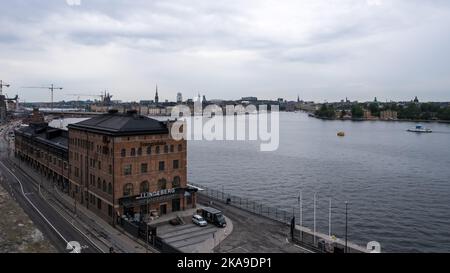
162, 184
176, 164
123, 153
104, 186
99, 203
172, 148
110, 210
144, 168
176, 182
149, 150
127, 170
161, 165
166, 149
144, 187
140, 151
99, 184
133, 152
99, 165
180, 147
128, 189
157, 150
110, 169
110, 189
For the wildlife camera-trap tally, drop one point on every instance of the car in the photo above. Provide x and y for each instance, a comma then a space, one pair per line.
198, 220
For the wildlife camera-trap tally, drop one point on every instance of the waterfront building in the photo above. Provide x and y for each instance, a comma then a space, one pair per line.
114, 164
388, 115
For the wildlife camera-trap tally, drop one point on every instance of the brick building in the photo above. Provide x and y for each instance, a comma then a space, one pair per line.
114, 164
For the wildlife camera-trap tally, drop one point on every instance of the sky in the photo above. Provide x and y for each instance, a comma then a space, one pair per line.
226, 49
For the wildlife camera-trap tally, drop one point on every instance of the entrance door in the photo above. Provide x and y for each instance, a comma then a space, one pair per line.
163, 209
176, 205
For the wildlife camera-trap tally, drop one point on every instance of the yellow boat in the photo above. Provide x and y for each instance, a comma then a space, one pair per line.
341, 134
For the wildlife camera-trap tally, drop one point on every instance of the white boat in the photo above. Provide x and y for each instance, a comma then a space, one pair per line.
420, 129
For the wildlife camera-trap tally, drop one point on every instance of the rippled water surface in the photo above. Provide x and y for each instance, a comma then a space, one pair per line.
397, 183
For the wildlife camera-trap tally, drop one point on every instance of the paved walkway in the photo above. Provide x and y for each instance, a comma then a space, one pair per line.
253, 233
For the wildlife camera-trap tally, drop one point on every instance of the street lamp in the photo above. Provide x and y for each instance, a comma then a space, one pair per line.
346, 225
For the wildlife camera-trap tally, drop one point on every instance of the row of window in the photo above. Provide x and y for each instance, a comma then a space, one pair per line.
103, 186
149, 150
128, 169
144, 187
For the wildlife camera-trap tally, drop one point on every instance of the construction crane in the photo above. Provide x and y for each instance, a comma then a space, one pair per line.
2, 84
52, 89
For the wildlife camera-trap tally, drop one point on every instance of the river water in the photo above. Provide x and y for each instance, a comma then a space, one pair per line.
397, 183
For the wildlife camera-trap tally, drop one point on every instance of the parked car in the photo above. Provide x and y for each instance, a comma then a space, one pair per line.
198, 220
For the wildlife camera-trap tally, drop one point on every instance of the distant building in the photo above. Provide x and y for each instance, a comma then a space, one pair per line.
179, 98
416, 100
367, 114
36, 117
156, 95
251, 99
388, 115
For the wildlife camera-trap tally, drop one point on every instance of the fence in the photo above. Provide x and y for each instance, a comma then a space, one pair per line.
148, 235
280, 215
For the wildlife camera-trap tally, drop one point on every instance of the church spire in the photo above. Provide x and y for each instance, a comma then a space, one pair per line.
156, 95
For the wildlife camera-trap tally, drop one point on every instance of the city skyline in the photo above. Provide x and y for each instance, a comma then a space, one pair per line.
320, 50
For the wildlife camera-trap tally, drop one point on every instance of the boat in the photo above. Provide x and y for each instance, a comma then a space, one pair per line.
420, 129
341, 134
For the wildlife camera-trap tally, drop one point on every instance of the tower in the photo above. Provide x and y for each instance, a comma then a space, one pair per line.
156, 95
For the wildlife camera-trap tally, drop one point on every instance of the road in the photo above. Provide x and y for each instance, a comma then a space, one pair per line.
64, 235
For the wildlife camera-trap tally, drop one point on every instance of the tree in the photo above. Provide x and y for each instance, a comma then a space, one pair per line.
326, 111
374, 109
357, 111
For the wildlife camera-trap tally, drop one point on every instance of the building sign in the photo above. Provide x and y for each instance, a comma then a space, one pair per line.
146, 195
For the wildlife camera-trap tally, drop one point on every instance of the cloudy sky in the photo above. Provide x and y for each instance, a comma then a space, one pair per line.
319, 49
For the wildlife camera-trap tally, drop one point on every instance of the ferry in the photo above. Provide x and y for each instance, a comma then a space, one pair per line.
420, 129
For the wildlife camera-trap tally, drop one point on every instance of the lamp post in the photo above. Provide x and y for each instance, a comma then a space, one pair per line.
315, 199
300, 207
346, 225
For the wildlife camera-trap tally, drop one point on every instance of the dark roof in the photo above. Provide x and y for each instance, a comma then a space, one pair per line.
46, 135
122, 124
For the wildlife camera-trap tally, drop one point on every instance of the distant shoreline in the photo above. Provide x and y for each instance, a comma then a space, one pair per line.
385, 120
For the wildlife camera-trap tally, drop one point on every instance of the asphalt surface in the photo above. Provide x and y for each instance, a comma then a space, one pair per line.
253, 233
65, 236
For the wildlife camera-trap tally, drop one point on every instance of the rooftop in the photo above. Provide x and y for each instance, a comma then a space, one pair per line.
114, 123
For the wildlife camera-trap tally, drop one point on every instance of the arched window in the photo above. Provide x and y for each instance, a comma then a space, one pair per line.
139, 151
110, 189
123, 153
166, 149
104, 186
144, 187
99, 183
133, 152
176, 182
149, 150
128, 189
162, 184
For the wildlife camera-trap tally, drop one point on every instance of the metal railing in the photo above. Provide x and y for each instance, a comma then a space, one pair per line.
280, 215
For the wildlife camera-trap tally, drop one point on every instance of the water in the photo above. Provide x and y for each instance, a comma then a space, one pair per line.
396, 182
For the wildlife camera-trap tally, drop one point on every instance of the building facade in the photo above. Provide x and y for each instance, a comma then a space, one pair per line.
116, 164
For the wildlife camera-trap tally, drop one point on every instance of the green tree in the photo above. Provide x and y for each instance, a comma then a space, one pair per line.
357, 111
